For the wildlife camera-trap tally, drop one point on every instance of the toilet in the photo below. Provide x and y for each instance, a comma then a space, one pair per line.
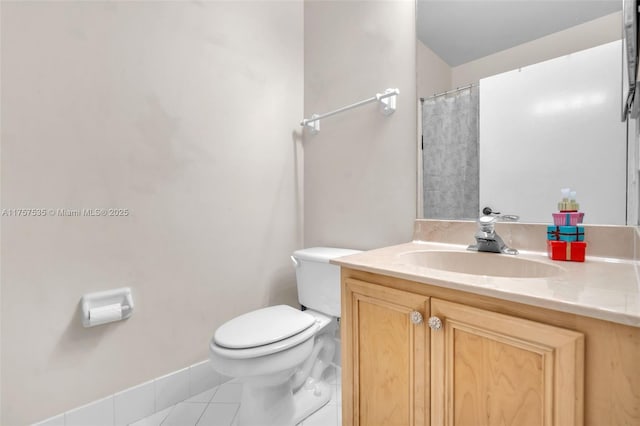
279, 353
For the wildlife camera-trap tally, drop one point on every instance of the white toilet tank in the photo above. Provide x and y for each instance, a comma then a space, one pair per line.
318, 280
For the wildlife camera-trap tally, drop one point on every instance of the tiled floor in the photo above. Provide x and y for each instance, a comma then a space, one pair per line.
218, 407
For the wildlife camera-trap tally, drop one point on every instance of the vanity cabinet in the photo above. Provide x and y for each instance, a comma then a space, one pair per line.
387, 356
416, 354
495, 369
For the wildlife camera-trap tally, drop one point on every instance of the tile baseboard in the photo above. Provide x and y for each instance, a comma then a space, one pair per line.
142, 400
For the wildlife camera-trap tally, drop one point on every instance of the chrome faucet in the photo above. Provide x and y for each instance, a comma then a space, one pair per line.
487, 239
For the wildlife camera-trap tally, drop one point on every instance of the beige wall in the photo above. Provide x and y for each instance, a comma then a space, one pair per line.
182, 113
360, 170
433, 74
583, 36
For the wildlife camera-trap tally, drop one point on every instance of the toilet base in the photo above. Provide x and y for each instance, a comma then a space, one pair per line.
310, 399
278, 406
266, 405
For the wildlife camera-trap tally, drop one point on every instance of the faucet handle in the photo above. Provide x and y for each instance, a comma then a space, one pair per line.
487, 211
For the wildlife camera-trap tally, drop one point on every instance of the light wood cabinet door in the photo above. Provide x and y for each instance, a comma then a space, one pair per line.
384, 359
493, 369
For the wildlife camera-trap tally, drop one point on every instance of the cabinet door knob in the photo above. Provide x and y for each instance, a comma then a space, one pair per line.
416, 317
435, 323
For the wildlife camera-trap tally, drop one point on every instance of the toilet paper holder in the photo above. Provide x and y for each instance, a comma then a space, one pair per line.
102, 307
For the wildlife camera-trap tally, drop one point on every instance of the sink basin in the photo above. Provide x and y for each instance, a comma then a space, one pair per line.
478, 263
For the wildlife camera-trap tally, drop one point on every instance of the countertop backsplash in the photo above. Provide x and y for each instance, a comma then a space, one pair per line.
610, 241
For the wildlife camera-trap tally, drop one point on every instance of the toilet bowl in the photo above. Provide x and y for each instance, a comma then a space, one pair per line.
272, 372
280, 353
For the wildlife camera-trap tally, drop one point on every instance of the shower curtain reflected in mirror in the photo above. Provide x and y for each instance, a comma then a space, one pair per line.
450, 164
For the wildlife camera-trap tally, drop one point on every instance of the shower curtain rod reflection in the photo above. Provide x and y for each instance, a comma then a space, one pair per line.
457, 89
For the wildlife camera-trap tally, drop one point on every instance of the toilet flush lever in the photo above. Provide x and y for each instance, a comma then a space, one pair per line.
295, 262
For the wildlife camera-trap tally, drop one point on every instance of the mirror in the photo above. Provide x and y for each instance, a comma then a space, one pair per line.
497, 67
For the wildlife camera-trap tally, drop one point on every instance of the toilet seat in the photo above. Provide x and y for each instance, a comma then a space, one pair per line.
263, 332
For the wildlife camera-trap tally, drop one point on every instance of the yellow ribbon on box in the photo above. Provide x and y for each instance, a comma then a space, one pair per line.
568, 251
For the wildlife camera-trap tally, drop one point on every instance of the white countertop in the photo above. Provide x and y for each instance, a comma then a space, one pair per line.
600, 288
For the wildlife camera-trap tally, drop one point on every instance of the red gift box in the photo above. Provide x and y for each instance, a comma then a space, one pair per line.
562, 250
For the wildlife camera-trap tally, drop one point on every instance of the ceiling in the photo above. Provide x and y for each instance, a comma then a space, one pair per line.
460, 31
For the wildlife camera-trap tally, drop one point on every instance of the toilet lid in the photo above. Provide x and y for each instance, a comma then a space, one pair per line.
262, 327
